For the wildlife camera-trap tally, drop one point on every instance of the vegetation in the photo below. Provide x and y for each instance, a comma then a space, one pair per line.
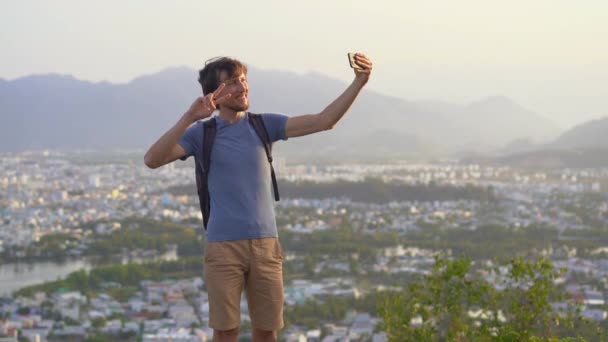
452, 304
485, 242
338, 242
373, 190
147, 235
55, 244
314, 313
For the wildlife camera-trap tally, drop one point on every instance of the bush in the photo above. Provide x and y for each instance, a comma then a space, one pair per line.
454, 304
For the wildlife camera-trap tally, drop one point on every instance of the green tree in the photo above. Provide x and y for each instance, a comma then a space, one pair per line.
23, 311
100, 338
452, 303
99, 322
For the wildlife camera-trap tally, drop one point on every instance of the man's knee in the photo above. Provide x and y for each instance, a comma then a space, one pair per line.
264, 335
223, 335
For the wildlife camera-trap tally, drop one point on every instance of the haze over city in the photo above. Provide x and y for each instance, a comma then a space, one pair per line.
546, 55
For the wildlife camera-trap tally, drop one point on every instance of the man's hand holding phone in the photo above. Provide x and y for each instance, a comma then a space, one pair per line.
362, 66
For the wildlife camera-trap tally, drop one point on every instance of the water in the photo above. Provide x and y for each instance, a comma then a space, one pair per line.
14, 276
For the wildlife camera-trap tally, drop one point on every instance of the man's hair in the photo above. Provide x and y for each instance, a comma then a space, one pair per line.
209, 76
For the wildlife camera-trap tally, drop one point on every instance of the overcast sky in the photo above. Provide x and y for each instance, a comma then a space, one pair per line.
551, 56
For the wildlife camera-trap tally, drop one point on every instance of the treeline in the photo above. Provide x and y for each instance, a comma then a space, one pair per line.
373, 190
377, 191
126, 275
500, 242
147, 235
485, 242
338, 243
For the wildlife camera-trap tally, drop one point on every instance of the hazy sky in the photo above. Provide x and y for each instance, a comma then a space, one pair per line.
551, 56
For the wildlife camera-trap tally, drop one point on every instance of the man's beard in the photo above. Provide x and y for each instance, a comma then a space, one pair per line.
237, 107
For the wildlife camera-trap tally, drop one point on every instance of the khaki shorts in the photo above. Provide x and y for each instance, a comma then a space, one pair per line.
255, 266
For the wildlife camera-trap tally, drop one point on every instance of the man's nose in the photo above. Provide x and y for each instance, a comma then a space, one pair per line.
242, 85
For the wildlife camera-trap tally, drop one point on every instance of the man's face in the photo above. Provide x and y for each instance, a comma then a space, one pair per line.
238, 87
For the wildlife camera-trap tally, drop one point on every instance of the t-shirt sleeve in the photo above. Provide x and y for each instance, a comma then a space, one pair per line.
275, 125
192, 140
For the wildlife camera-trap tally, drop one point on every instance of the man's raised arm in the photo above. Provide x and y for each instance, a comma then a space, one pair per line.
307, 124
166, 149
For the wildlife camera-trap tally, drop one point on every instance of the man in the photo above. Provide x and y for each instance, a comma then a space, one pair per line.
243, 251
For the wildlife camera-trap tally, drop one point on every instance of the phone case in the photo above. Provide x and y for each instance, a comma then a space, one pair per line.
351, 61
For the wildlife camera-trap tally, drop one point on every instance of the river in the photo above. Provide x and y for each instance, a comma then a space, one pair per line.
14, 276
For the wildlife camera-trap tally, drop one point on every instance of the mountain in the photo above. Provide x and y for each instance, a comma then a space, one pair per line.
503, 120
588, 134
583, 146
59, 111
520, 146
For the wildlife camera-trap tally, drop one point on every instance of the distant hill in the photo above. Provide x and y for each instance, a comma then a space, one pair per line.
583, 146
501, 120
521, 146
59, 111
592, 133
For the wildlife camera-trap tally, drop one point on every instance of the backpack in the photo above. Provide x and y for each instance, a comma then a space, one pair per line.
202, 166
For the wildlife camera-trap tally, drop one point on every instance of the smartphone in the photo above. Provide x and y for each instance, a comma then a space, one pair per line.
351, 61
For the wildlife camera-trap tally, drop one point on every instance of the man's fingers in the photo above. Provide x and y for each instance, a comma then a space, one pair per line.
207, 101
363, 61
218, 91
361, 55
364, 65
222, 98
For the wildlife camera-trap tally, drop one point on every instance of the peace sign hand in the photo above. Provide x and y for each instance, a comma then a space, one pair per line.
204, 106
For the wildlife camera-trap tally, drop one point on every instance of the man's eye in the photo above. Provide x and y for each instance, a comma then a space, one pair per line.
235, 80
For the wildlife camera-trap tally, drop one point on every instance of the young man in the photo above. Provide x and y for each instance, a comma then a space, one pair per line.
243, 251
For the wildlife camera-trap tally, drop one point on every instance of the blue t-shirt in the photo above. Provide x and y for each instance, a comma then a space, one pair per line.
239, 180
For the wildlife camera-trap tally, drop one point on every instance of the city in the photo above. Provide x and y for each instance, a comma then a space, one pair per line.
74, 206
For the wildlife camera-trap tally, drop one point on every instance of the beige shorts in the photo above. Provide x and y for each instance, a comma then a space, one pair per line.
255, 266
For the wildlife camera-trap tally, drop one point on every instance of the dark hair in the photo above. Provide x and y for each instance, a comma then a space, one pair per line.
209, 76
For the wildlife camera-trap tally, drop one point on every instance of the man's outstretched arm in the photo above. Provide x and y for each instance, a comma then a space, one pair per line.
307, 124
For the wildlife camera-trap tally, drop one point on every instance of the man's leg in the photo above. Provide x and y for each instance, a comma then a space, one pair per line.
224, 271
226, 335
264, 335
264, 289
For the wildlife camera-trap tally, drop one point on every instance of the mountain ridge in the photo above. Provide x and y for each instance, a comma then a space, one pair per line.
133, 114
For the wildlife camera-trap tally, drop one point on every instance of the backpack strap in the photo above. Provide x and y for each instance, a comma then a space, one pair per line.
260, 128
202, 169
